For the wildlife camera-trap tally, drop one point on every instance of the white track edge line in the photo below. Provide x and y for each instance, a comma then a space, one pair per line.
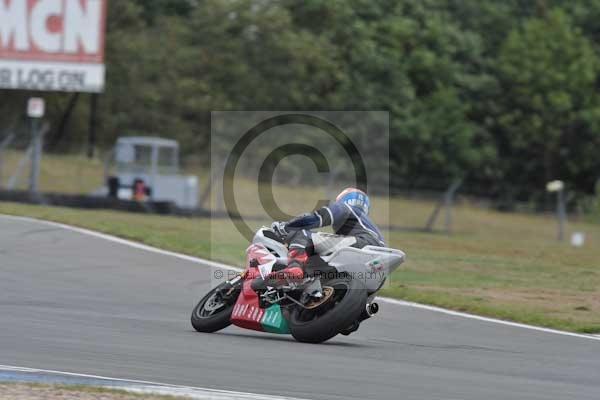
486, 319
180, 389
125, 242
214, 264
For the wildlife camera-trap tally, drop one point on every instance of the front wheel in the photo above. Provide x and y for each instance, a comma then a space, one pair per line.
344, 308
213, 311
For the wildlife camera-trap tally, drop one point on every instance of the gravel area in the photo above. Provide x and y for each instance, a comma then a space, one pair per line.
21, 391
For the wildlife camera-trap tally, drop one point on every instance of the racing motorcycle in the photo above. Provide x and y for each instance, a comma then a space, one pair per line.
345, 280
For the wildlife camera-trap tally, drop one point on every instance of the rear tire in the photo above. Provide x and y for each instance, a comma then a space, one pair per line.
206, 321
328, 320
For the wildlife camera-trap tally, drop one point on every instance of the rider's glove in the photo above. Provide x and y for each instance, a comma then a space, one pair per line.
279, 228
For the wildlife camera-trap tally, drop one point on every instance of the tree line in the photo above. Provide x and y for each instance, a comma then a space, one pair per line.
500, 94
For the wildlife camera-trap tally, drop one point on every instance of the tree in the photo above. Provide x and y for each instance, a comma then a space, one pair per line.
548, 72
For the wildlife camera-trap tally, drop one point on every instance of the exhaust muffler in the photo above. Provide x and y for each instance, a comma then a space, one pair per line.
372, 309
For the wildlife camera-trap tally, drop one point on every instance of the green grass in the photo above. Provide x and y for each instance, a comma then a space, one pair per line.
501, 265
58, 173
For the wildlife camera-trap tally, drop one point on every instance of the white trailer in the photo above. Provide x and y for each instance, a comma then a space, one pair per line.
154, 161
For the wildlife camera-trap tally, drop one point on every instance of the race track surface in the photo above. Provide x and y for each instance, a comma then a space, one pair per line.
77, 303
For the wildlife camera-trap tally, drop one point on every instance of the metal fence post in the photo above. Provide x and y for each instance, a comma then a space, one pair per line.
36, 155
449, 204
561, 208
562, 214
3, 145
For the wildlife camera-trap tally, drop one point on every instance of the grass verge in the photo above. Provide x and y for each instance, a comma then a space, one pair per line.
500, 265
35, 391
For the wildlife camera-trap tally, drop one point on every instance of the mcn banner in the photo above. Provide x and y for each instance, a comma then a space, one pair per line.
52, 45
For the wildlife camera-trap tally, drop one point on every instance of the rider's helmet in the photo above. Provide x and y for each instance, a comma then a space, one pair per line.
355, 198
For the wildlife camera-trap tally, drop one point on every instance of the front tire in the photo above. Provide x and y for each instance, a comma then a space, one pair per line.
316, 326
213, 312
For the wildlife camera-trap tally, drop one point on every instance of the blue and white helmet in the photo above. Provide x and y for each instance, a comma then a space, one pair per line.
355, 198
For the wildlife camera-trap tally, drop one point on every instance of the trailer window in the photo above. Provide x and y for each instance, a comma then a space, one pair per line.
167, 160
166, 157
143, 155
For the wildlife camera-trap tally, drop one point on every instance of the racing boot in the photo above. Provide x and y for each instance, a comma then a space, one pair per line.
297, 257
314, 296
293, 273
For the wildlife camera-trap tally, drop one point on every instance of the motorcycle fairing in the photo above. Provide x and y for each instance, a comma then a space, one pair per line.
371, 264
273, 320
327, 243
247, 312
264, 258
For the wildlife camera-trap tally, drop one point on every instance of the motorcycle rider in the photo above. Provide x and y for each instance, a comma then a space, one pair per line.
348, 216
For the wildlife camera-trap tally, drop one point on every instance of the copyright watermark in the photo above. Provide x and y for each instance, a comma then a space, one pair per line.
271, 166
223, 275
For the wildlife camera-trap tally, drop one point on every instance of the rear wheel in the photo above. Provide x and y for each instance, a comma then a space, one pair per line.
213, 311
344, 308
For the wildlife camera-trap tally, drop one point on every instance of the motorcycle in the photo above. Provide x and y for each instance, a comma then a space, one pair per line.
334, 297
